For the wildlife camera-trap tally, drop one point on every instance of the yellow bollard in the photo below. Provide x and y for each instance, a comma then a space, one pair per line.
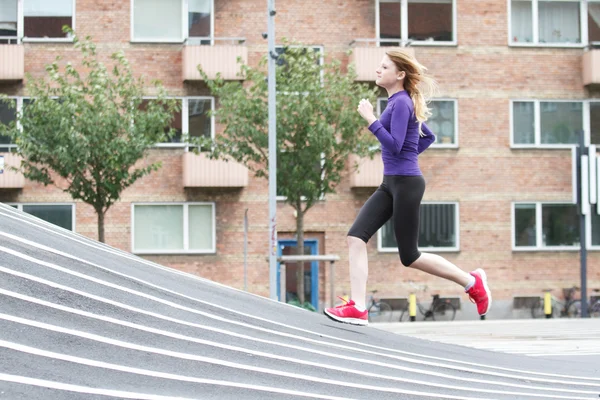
548, 304
412, 307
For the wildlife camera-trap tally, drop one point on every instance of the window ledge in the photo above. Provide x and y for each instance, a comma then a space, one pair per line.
544, 249
47, 40
426, 43
548, 45
444, 146
543, 147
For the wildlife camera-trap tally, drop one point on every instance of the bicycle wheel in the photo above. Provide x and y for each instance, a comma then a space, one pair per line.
380, 312
537, 309
404, 316
574, 309
595, 310
444, 311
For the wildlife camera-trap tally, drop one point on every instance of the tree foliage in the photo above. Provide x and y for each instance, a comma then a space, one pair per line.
318, 126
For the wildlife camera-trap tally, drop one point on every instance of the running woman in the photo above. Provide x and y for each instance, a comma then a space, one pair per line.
403, 136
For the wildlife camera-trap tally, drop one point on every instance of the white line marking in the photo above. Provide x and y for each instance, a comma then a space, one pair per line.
354, 343
62, 287
254, 352
144, 396
165, 375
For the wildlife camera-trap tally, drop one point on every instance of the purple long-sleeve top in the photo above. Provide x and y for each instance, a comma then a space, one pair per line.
398, 132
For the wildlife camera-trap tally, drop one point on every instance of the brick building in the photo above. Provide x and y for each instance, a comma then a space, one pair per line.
518, 79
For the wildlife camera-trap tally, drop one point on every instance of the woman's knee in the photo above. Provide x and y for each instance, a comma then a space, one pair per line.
354, 242
408, 258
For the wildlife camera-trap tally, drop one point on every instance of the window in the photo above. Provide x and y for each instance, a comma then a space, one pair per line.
593, 21
7, 115
172, 21
442, 122
545, 226
43, 19
157, 21
554, 22
554, 124
418, 21
438, 229
200, 20
595, 122
192, 120
8, 20
172, 228
62, 215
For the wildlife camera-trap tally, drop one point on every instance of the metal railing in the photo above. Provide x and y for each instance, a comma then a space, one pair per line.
208, 40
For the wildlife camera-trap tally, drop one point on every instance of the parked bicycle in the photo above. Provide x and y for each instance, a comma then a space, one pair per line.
379, 311
594, 309
569, 308
439, 309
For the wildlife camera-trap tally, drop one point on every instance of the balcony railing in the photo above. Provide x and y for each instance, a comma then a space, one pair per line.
369, 174
213, 59
367, 55
200, 171
8, 178
12, 59
591, 67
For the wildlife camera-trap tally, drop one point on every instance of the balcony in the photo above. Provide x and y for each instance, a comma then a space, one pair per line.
366, 56
591, 67
200, 171
214, 59
369, 174
8, 178
12, 62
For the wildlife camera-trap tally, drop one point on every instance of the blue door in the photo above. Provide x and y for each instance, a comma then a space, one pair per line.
311, 271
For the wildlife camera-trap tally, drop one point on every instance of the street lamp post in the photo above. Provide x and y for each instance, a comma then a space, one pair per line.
272, 152
586, 194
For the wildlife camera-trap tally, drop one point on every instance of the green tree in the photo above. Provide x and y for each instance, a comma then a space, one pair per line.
90, 130
318, 127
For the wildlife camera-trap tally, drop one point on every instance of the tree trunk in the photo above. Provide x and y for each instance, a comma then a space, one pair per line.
300, 265
100, 225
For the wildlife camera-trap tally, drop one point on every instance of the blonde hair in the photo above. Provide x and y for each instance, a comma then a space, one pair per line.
420, 86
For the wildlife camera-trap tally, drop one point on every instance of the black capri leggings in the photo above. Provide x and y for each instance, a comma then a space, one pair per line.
399, 197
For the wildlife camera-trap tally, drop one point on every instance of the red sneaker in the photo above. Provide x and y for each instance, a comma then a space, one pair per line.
480, 293
348, 313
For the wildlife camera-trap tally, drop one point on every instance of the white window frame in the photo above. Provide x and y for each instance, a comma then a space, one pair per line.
586, 123
404, 24
21, 26
453, 249
186, 249
434, 145
538, 226
185, 127
583, 14
212, 24
73, 205
184, 26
